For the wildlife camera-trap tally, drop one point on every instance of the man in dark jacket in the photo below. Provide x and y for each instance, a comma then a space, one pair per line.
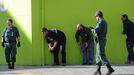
56, 40
128, 30
86, 42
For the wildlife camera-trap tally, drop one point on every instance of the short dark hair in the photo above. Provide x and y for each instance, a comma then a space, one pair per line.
10, 20
44, 29
125, 16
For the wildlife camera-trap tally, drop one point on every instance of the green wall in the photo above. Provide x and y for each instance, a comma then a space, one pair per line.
31, 15
22, 20
65, 14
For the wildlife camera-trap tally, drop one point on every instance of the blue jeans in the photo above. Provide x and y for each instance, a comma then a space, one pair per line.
88, 52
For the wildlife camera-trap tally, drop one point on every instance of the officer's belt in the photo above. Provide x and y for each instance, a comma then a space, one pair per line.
10, 42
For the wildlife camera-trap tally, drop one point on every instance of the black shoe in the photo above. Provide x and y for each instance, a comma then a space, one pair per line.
128, 62
84, 63
55, 65
90, 63
9, 66
63, 64
132, 62
110, 72
12, 67
97, 72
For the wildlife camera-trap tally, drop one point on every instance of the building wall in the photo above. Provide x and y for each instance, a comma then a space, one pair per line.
31, 15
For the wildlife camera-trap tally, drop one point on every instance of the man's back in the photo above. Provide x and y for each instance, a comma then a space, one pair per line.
128, 28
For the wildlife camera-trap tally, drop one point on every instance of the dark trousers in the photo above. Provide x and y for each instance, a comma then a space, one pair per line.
100, 53
88, 52
10, 52
63, 54
101, 56
130, 46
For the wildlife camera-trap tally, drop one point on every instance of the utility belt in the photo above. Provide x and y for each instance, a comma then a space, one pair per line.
99, 37
10, 42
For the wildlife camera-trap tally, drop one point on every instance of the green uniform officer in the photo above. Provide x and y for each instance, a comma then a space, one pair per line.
10, 38
101, 32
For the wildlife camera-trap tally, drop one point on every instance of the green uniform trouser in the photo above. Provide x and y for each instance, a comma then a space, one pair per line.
10, 52
100, 54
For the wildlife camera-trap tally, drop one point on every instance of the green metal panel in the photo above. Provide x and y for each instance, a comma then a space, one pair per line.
64, 15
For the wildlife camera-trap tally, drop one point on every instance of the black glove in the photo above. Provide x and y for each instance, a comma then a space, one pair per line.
52, 51
91, 27
123, 33
2, 44
18, 44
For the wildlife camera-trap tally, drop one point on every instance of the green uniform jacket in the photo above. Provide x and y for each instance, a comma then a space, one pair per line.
10, 34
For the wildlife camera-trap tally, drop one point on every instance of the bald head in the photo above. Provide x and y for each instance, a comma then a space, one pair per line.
79, 27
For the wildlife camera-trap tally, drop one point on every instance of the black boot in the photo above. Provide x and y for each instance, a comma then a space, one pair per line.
12, 65
98, 71
9, 65
110, 69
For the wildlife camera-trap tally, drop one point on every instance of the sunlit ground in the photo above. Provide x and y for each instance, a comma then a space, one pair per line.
67, 70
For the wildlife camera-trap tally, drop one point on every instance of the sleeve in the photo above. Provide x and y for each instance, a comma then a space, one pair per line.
54, 36
77, 36
89, 30
99, 28
17, 32
3, 33
48, 41
125, 28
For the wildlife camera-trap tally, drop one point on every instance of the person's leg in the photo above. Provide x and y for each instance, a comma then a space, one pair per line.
13, 54
103, 56
110, 69
133, 53
130, 50
98, 60
7, 55
98, 71
56, 57
102, 44
63, 53
91, 51
84, 53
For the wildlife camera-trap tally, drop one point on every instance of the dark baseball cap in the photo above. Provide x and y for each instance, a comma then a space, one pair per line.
98, 13
44, 29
